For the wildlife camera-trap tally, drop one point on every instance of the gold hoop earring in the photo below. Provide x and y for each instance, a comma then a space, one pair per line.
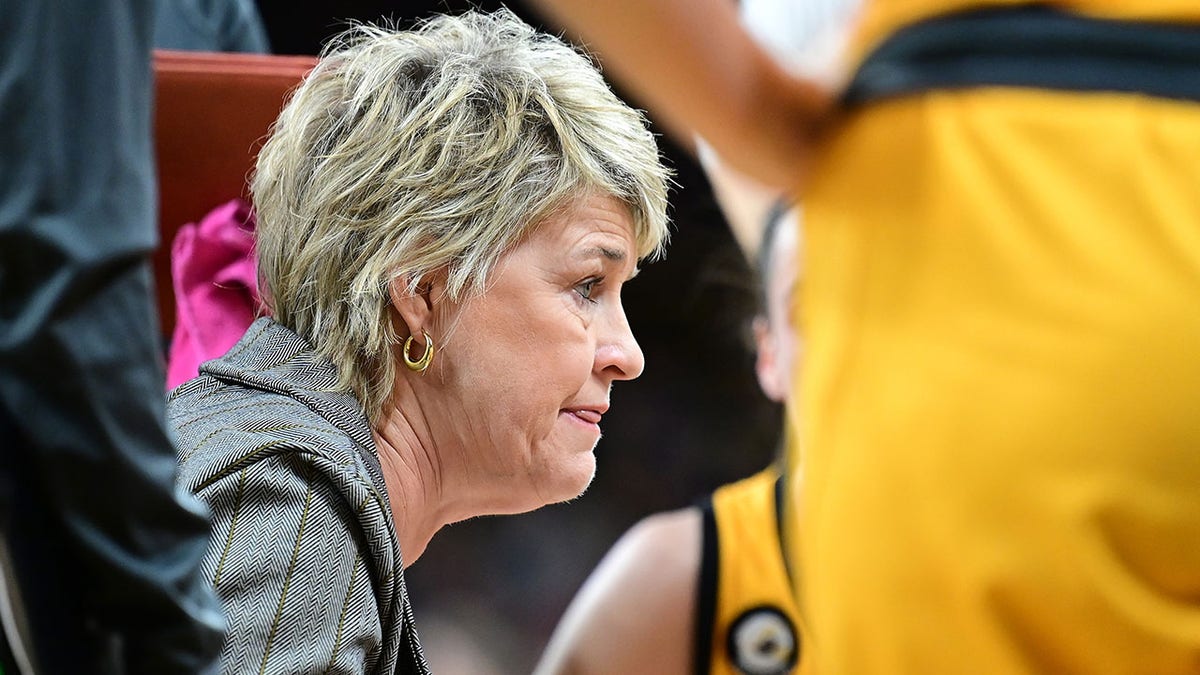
422, 364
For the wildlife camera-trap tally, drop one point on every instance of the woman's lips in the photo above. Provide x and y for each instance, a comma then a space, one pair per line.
586, 415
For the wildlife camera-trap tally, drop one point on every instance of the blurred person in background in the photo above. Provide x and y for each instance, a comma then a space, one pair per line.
446, 219
997, 436
210, 26
704, 589
99, 554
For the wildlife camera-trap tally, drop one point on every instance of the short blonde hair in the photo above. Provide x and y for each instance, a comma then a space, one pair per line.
406, 152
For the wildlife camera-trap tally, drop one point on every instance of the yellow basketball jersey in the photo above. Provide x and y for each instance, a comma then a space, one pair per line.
881, 18
1000, 438
747, 622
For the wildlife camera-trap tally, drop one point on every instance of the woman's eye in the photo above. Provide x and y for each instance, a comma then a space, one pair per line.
586, 288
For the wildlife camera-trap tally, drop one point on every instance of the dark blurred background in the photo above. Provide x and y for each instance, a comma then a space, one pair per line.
488, 592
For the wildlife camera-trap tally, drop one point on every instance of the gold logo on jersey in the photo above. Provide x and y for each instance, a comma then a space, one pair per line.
763, 641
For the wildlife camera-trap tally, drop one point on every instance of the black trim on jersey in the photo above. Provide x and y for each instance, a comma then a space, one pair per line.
706, 595
780, 501
1033, 47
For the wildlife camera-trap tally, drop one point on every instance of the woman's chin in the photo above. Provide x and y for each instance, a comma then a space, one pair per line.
558, 475
576, 482
565, 481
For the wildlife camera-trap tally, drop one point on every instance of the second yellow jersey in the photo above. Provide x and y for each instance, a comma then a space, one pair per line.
747, 623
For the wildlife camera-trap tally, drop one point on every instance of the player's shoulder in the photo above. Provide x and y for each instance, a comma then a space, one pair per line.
668, 534
654, 563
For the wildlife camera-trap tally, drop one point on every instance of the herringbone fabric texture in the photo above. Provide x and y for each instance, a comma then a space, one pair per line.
304, 554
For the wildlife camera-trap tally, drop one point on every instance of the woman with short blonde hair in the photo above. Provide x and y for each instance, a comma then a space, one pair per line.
446, 218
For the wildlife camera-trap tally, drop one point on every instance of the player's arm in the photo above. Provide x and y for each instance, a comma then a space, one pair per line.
695, 67
744, 202
635, 613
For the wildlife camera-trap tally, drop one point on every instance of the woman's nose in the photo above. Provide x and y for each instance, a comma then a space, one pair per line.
618, 355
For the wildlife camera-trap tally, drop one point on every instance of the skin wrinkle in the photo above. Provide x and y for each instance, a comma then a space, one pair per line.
407, 461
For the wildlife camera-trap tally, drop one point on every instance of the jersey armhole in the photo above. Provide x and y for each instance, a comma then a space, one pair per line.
706, 590
781, 500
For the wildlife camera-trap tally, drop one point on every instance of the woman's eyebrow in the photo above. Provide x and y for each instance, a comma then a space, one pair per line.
613, 254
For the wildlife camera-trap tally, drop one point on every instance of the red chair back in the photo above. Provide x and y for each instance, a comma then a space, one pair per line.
212, 114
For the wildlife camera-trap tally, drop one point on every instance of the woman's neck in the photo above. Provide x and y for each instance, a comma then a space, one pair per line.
415, 479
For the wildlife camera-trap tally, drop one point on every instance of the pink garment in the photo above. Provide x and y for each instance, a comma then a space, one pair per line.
216, 288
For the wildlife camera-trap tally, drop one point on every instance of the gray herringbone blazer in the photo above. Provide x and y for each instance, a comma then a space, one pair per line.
304, 554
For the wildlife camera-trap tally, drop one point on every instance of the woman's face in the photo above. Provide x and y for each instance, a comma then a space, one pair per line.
532, 359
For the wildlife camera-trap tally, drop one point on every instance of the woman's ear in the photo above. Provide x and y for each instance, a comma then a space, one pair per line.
765, 362
419, 308
414, 306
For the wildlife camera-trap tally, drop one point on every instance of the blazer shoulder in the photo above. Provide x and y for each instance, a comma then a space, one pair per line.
221, 428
